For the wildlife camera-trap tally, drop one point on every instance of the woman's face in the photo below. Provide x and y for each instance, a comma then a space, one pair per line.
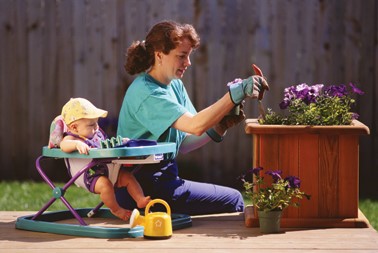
174, 64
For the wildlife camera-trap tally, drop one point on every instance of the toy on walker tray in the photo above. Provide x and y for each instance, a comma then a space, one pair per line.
157, 225
117, 142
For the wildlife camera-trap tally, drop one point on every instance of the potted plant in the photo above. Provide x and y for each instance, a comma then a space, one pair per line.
271, 198
315, 105
316, 136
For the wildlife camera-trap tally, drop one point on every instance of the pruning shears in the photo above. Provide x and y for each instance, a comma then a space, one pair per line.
257, 71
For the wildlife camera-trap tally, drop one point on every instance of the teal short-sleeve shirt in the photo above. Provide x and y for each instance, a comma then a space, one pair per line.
150, 108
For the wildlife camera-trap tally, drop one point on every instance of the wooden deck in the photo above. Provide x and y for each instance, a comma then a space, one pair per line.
212, 233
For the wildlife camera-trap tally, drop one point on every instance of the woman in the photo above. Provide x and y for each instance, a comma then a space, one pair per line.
156, 106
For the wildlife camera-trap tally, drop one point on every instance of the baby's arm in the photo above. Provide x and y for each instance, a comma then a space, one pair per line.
70, 144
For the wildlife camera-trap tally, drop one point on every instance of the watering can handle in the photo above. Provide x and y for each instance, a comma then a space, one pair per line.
160, 201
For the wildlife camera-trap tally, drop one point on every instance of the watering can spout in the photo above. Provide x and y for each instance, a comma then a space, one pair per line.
136, 219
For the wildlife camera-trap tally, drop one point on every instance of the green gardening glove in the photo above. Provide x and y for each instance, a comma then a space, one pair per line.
250, 87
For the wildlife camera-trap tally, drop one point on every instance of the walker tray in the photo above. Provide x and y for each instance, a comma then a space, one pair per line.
120, 152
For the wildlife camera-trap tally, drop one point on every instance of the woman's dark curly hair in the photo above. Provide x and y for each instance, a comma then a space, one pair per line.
163, 37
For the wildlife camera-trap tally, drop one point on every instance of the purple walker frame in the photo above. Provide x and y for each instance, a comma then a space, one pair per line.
59, 192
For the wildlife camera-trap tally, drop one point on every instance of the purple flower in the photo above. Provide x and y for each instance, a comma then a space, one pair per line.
317, 89
301, 90
356, 90
308, 94
276, 175
294, 182
289, 94
256, 171
315, 105
336, 91
285, 103
355, 115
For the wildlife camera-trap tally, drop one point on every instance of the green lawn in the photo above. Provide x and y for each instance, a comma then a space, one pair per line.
31, 196
370, 209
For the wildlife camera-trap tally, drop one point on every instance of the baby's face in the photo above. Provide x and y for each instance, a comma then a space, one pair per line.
87, 127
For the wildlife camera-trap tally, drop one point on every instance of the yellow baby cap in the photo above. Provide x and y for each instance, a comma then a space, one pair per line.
81, 108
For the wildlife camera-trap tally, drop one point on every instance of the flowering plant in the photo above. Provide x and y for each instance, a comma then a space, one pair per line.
315, 105
276, 197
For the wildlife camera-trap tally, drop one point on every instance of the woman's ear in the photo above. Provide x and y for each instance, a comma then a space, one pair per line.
158, 57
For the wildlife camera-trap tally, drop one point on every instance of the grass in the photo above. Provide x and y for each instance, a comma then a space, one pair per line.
31, 196
370, 209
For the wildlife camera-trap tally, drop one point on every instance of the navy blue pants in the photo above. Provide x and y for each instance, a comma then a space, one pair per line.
183, 196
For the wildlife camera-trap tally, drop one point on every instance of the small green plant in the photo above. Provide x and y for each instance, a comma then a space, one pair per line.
283, 192
315, 105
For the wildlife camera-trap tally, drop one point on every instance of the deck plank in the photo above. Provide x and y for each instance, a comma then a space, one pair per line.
211, 233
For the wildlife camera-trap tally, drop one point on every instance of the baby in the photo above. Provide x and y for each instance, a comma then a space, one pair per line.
81, 118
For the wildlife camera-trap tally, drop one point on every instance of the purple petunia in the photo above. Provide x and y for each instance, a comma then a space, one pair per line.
336, 91
276, 175
355, 115
356, 90
289, 94
273, 196
294, 182
256, 171
285, 103
341, 90
308, 94
316, 105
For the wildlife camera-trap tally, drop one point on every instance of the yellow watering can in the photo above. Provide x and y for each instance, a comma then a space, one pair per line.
157, 225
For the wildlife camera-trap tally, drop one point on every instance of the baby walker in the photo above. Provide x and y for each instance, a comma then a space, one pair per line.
140, 152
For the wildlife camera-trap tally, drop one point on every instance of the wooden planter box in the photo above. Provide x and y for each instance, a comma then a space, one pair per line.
325, 158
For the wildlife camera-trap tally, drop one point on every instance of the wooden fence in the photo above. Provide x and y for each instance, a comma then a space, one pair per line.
51, 50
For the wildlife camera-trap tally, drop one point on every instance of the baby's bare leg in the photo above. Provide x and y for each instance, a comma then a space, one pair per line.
106, 190
126, 179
